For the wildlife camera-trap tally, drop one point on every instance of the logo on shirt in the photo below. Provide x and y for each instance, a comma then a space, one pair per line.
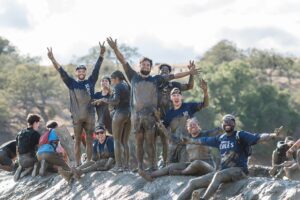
88, 88
226, 145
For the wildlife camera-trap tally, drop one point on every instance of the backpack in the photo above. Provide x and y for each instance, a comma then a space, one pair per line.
44, 138
24, 141
245, 147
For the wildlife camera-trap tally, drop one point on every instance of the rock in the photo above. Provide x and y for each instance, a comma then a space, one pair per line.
109, 185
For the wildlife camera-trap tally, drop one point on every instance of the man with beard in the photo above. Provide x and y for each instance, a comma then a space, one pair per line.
144, 102
164, 102
234, 149
81, 92
175, 122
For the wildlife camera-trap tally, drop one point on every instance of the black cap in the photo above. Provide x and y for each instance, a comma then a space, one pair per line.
80, 67
175, 91
99, 129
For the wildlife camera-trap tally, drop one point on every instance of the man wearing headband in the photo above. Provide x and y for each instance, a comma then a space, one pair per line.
81, 92
144, 102
234, 147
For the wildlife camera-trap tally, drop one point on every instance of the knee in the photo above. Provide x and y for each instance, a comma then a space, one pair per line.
217, 176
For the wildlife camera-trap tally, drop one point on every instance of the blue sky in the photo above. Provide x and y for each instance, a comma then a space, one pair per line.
165, 30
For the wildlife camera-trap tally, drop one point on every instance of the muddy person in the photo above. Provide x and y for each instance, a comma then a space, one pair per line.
175, 122
234, 147
102, 109
164, 101
292, 169
8, 155
26, 145
120, 101
144, 102
81, 92
200, 158
103, 154
279, 157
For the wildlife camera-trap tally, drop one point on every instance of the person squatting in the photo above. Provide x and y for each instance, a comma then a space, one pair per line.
147, 106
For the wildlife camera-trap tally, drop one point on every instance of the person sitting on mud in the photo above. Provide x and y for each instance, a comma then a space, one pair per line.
47, 153
144, 102
279, 157
292, 168
200, 159
175, 122
81, 92
103, 154
234, 148
102, 109
26, 145
8, 155
164, 101
120, 101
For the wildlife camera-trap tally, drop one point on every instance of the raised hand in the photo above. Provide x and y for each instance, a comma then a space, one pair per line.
191, 64
203, 85
50, 53
102, 48
278, 131
112, 43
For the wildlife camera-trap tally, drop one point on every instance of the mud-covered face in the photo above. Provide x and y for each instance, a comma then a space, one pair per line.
164, 70
228, 125
101, 137
193, 128
176, 99
80, 74
104, 83
145, 67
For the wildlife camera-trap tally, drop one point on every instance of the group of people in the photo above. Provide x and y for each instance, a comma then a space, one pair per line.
150, 107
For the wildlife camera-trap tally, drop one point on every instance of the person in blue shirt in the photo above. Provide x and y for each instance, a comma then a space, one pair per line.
175, 121
81, 92
234, 157
164, 101
103, 154
200, 158
48, 156
144, 102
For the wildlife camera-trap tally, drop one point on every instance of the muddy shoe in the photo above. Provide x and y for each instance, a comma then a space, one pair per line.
146, 176
67, 175
26, 172
76, 172
43, 168
18, 173
116, 169
35, 169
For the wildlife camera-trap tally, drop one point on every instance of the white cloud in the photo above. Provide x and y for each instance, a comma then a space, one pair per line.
167, 31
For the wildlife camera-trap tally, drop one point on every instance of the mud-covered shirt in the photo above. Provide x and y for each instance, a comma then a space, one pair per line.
186, 109
120, 98
232, 152
144, 90
104, 150
81, 92
102, 111
164, 102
